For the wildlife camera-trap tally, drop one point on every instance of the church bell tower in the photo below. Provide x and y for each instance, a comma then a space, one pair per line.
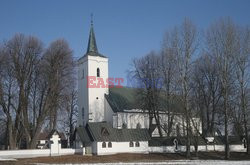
91, 99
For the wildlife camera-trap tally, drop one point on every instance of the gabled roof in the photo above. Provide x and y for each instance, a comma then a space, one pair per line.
102, 131
48, 135
84, 135
121, 99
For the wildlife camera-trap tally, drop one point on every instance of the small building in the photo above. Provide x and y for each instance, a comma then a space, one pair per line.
101, 138
46, 138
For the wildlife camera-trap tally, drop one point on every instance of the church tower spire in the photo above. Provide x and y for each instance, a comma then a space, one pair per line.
92, 105
92, 47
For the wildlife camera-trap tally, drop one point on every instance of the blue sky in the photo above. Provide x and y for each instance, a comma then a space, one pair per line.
124, 29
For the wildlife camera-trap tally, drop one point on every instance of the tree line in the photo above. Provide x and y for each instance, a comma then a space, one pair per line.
37, 89
207, 72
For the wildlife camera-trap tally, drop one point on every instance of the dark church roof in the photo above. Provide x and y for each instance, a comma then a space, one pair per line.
121, 99
92, 49
102, 131
126, 98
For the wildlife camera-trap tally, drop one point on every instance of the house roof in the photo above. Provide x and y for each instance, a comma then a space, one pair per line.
125, 99
47, 135
84, 135
102, 131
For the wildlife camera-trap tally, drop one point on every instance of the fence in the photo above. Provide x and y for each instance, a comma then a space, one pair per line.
201, 148
38, 153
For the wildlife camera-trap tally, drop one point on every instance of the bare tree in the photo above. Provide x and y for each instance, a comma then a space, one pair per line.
58, 68
21, 55
148, 73
207, 91
27, 86
242, 72
168, 66
69, 115
187, 47
222, 43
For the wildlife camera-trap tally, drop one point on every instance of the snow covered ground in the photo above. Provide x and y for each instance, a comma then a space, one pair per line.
7, 159
178, 162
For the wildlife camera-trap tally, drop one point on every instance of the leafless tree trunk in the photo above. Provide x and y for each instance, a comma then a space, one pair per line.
31, 83
147, 72
188, 46
169, 69
222, 43
207, 89
242, 72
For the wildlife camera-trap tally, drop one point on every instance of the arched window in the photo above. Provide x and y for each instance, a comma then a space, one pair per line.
124, 126
176, 144
137, 144
98, 72
178, 130
131, 144
103, 144
109, 145
138, 126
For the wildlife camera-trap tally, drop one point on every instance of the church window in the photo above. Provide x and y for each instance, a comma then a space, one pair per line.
138, 126
98, 72
109, 145
131, 144
177, 130
103, 144
124, 126
83, 74
137, 144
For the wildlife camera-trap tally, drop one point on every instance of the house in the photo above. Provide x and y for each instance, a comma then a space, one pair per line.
45, 139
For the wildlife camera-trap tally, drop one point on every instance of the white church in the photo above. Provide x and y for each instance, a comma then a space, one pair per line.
109, 119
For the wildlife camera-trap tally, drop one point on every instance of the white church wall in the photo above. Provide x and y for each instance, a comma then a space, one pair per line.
132, 119
91, 100
82, 91
122, 147
108, 112
96, 95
